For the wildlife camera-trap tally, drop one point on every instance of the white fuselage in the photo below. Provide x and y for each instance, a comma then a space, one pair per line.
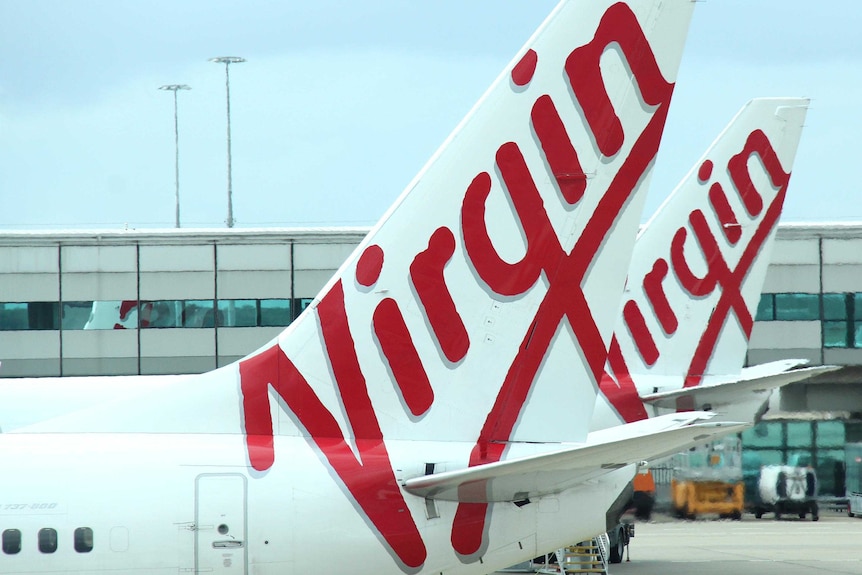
164, 503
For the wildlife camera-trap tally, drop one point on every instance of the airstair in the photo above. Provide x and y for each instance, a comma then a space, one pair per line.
585, 557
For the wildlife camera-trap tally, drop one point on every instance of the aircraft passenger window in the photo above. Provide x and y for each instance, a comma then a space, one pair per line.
47, 540
83, 539
11, 541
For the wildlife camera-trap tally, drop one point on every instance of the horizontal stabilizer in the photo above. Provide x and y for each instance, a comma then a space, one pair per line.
549, 473
731, 392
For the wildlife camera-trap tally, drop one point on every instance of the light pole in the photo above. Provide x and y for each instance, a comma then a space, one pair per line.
227, 61
174, 88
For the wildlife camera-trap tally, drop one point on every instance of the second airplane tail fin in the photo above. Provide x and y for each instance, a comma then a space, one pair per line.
699, 264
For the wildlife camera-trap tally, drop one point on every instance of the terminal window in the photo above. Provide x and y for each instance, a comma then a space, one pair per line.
840, 314
149, 314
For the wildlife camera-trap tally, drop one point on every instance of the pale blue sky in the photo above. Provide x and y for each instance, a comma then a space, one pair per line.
341, 102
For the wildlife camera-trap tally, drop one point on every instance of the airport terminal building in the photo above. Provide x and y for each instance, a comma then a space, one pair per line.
185, 301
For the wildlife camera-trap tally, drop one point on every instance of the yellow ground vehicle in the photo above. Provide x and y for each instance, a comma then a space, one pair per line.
693, 497
708, 480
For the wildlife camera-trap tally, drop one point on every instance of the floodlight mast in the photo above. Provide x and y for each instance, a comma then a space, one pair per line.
227, 61
174, 88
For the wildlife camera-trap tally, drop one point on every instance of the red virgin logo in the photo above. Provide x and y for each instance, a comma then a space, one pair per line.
720, 276
366, 474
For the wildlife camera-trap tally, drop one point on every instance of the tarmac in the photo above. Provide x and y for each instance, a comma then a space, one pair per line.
766, 546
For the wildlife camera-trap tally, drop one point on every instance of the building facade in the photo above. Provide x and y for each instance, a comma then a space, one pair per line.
186, 301
175, 301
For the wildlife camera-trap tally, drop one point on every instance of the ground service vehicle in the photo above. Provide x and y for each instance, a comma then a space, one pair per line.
786, 489
708, 480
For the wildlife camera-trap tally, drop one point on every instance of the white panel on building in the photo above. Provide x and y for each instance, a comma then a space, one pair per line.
106, 259
75, 366
179, 258
113, 343
786, 335
238, 342
30, 287
177, 285
174, 365
841, 251
178, 342
254, 257
321, 256
792, 279
846, 277
100, 286
308, 283
835, 356
28, 260
759, 356
29, 345
796, 252
254, 284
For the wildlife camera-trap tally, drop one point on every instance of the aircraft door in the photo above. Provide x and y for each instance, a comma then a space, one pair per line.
221, 522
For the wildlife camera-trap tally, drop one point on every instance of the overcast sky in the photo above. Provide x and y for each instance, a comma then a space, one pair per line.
341, 102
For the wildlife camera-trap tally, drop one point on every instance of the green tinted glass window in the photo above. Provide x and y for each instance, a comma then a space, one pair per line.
237, 313
764, 434
76, 314
799, 434
857, 306
299, 305
29, 315
13, 316
835, 334
274, 312
763, 457
198, 313
766, 308
830, 434
161, 314
835, 305
797, 306
830, 472
800, 458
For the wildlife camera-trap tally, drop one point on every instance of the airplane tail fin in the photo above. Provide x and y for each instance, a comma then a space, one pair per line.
699, 264
499, 265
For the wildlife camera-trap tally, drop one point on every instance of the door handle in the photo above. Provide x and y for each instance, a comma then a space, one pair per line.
228, 544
